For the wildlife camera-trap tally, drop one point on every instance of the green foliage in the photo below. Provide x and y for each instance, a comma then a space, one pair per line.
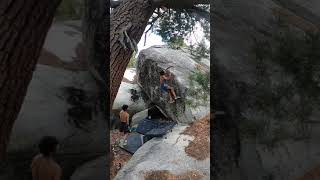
133, 61
200, 51
176, 42
199, 88
174, 26
70, 10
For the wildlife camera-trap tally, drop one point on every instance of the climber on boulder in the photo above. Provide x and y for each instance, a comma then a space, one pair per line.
166, 88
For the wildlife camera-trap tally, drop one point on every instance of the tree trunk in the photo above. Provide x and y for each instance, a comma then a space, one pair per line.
94, 32
134, 12
23, 28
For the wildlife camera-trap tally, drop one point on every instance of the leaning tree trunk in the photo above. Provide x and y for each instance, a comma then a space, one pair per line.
95, 27
131, 17
23, 28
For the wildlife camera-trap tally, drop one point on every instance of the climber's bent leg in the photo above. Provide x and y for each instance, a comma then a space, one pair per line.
174, 94
171, 92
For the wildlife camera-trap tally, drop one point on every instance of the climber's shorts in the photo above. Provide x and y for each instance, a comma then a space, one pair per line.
124, 127
164, 87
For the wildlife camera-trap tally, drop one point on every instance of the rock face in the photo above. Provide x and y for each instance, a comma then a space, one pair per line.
130, 94
161, 154
95, 169
53, 109
62, 101
154, 59
236, 22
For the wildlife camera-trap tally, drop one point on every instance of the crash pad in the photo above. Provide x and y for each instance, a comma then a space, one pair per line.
154, 127
158, 132
134, 142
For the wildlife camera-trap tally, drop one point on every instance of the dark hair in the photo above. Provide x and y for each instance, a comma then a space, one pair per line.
125, 107
162, 72
47, 145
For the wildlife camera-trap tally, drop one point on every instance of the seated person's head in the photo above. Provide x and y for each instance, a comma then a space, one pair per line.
162, 73
48, 145
125, 107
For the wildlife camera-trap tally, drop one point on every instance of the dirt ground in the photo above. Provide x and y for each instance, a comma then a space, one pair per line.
200, 130
50, 59
134, 81
166, 175
119, 156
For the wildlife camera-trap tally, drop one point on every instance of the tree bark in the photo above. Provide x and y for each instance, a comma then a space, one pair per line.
23, 28
134, 12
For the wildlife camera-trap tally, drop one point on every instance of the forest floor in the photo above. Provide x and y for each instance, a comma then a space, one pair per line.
200, 130
78, 64
166, 175
119, 156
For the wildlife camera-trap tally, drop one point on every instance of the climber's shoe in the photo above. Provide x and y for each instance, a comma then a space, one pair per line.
171, 101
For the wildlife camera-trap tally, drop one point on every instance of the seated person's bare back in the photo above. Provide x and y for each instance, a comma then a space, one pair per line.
124, 119
43, 165
44, 168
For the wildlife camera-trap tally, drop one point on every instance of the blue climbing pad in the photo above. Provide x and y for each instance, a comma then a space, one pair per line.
134, 142
158, 132
145, 131
154, 127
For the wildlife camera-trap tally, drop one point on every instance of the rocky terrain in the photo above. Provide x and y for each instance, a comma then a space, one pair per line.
189, 139
253, 142
62, 101
175, 156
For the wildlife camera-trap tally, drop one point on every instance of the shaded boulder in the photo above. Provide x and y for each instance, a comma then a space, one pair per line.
256, 140
153, 112
139, 117
129, 94
95, 169
63, 100
156, 58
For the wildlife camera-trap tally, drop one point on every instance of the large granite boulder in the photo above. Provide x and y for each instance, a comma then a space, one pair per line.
130, 94
62, 104
156, 58
276, 151
95, 169
164, 154
63, 101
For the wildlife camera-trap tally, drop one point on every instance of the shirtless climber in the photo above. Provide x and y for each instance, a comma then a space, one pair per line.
124, 118
43, 166
165, 87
